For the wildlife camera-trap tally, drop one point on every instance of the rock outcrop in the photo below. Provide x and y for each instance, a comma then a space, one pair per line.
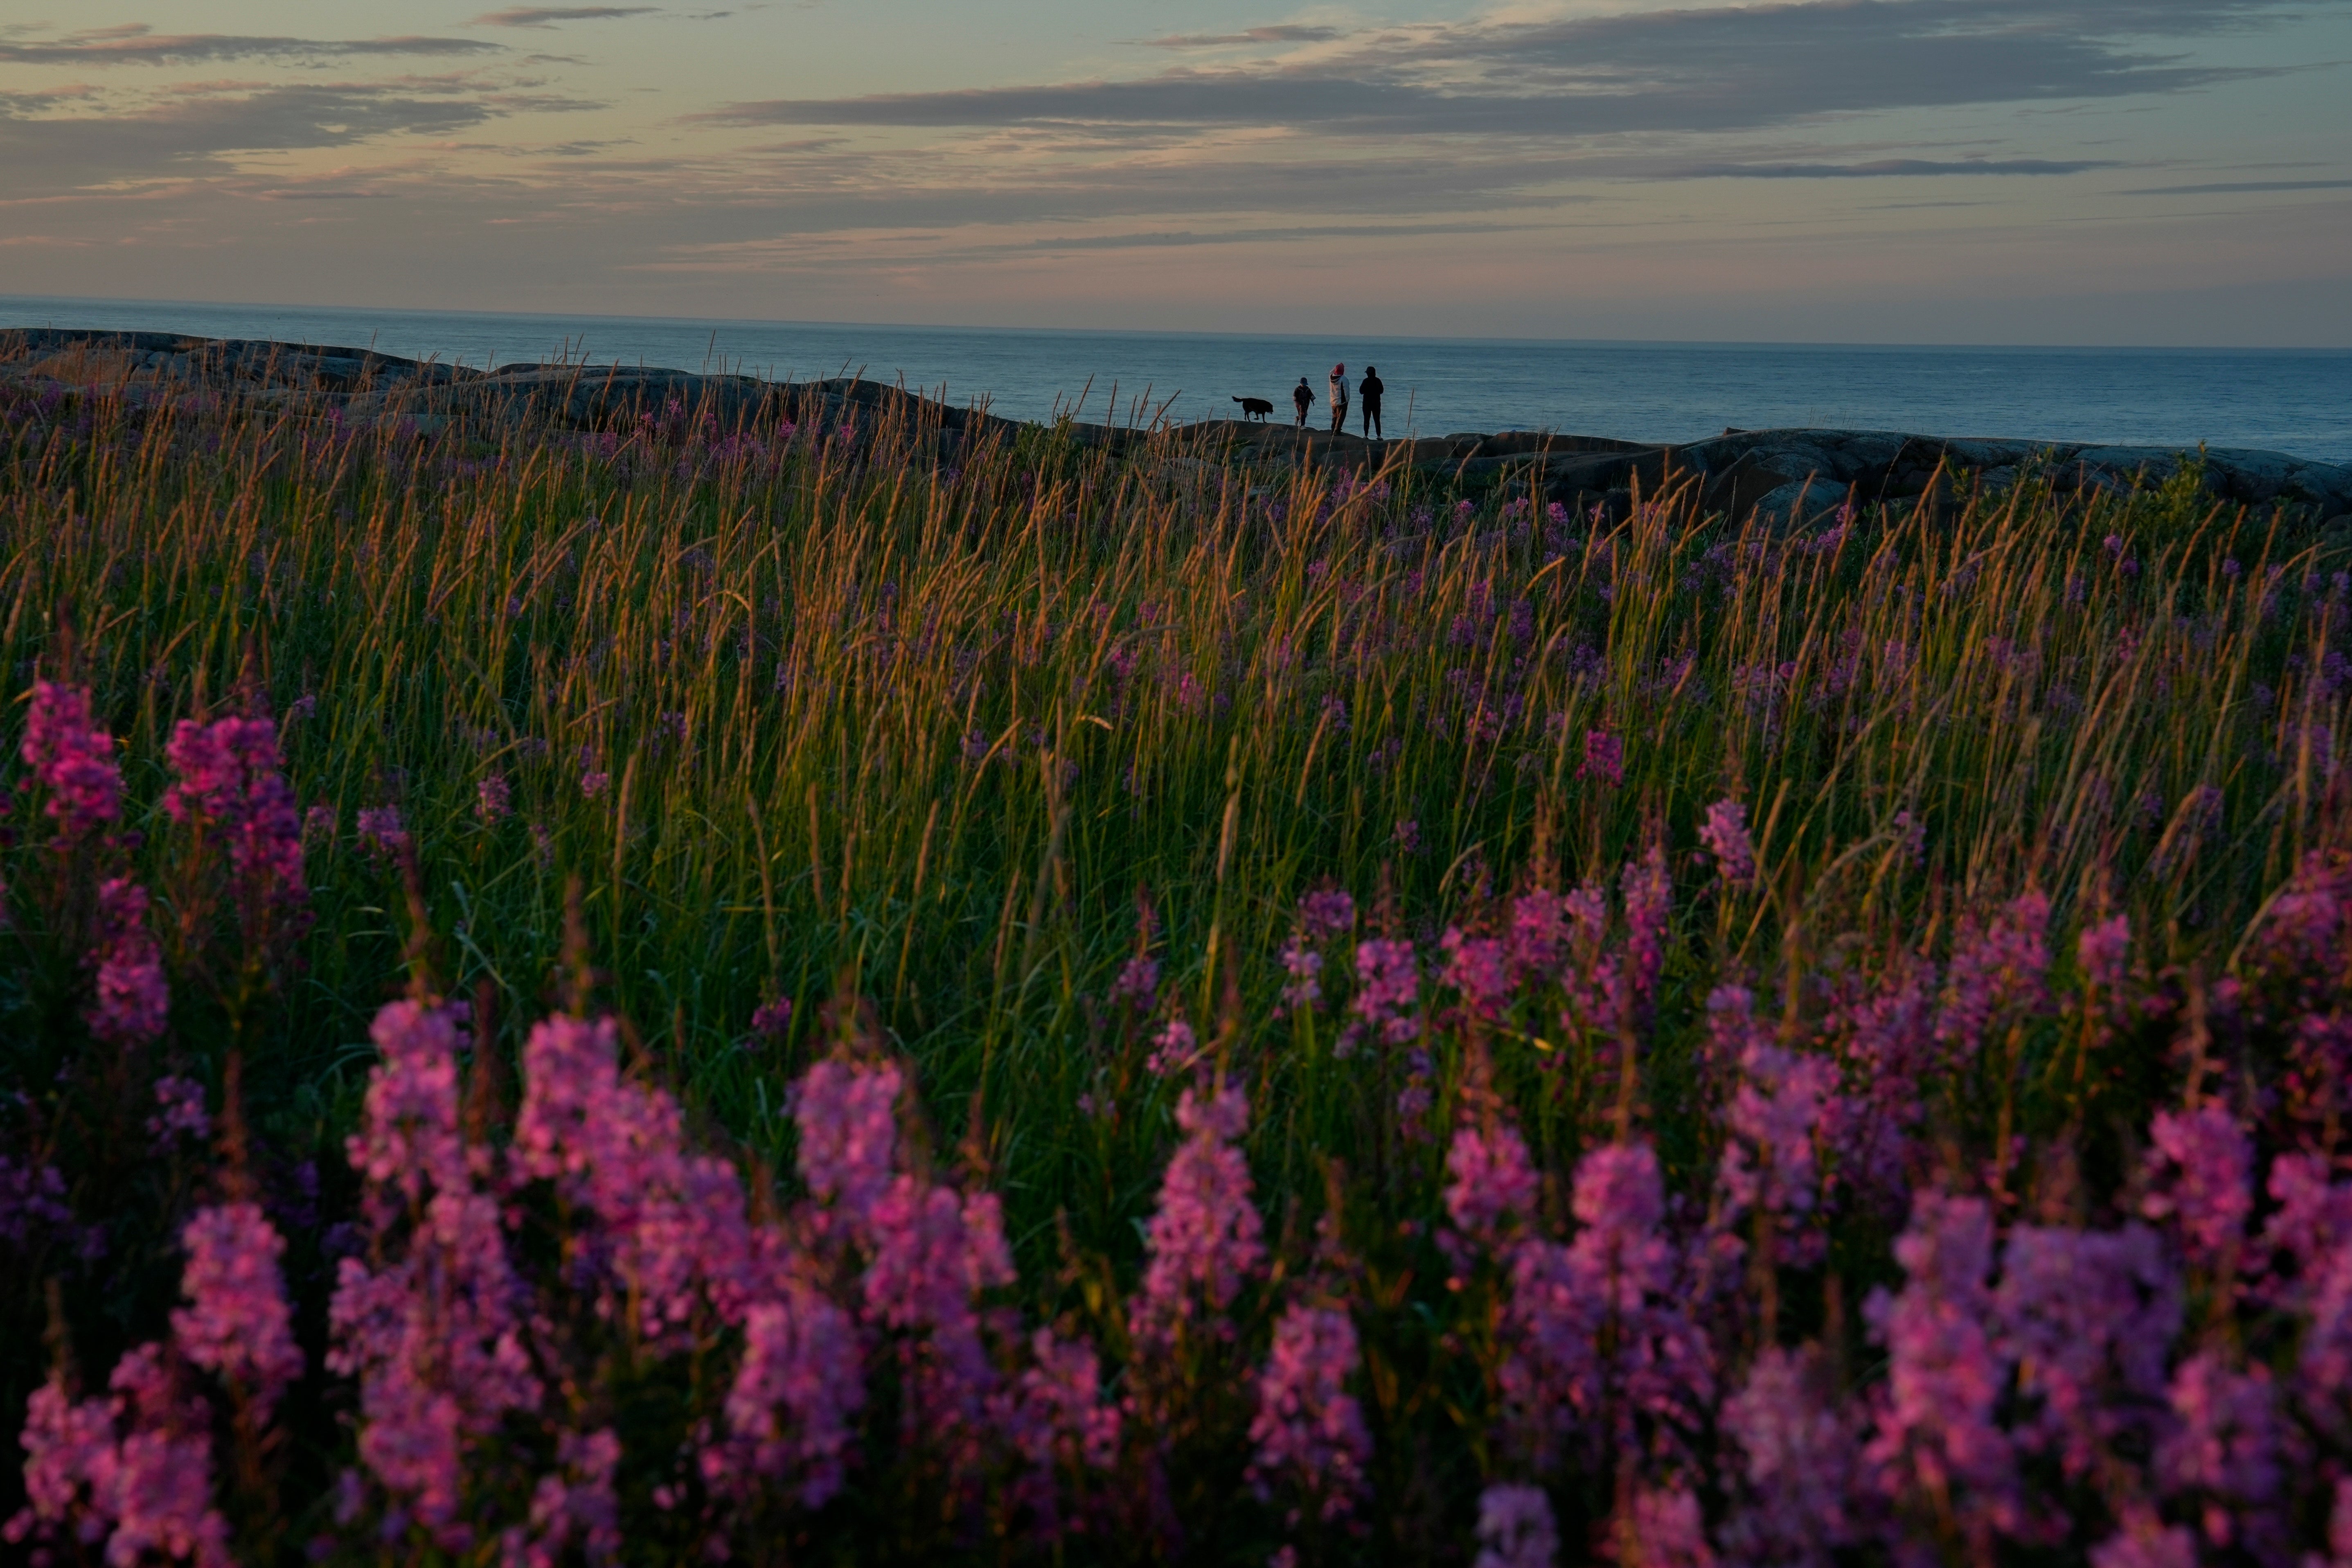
1786, 474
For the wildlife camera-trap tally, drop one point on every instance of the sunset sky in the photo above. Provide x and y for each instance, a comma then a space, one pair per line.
1906, 170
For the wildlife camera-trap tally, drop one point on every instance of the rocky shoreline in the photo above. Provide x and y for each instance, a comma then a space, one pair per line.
1785, 474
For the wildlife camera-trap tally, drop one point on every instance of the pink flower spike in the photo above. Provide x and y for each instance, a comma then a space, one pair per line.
1307, 1429
237, 1323
133, 1001
1205, 1239
74, 759
1515, 1528
1725, 834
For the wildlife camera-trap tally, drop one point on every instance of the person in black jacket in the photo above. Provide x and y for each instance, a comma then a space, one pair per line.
1302, 397
1369, 390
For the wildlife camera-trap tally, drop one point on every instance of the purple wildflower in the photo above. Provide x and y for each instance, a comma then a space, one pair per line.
133, 1001
2103, 949
237, 1323
2200, 1167
179, 1111
1174, 1049
1515, 1528
1308, 1429
1489, 1182
1604, 758
229, 783
1600, 1347
1303, 964
1137, 983
847, 1115
1388, 985
1996, 969
1475, 967
379, 829
1937, 1444
1205, 1237
73, 759
1796, 1464
493, 798
1725, 834
594, 782
1327, 913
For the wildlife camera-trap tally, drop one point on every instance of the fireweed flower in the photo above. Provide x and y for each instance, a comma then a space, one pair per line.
131, 1471
2200, 1177
1490, 1183
848, 1120
1772, 1123
229, 783
133, 1001
237, 1323
2102, 948
1174, 1049
594, 782
1308, 1430
773, 1019
1604, 758
1937, 1443
1475, 967
432, 1329
794, 1404
1997, 969
1537, 938
1388, 985
179, 1111
1055, 1417
1599, 1347
1327, 913
1205, 1239
493, 796
1794, 1457
933, 1252
379, 829
73, 759
672, 1224
2087, 1316
1725, 834
576, 1505
1137, 983
1515, 1528
2227, 1449
1659, 1527
1302, 964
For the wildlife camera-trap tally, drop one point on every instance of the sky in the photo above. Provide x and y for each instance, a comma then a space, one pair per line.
2094, 172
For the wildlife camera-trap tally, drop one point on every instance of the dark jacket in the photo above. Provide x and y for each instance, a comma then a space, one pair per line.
1369, 390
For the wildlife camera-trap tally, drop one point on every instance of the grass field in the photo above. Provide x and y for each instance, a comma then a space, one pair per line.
1832, 1047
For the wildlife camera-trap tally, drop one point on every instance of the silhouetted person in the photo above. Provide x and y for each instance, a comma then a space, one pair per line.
1369, 390
1302, 397
1339, 398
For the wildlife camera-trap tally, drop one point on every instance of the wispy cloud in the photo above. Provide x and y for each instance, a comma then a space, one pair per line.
2227, 187
1288, 33
548, 16
134, 44
1884, 168
1696, 71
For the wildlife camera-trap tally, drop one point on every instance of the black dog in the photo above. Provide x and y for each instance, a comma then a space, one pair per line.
1256, 408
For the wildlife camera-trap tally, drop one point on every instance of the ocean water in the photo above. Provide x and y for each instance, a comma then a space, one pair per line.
2295, 401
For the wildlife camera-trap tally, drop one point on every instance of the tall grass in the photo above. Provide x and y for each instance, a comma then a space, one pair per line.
818, 714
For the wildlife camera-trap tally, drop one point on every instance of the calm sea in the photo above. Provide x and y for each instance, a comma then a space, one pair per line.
2297, 401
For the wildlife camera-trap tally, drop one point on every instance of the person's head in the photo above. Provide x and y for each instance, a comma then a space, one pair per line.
1302, 381
1370, 369
1339, 370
